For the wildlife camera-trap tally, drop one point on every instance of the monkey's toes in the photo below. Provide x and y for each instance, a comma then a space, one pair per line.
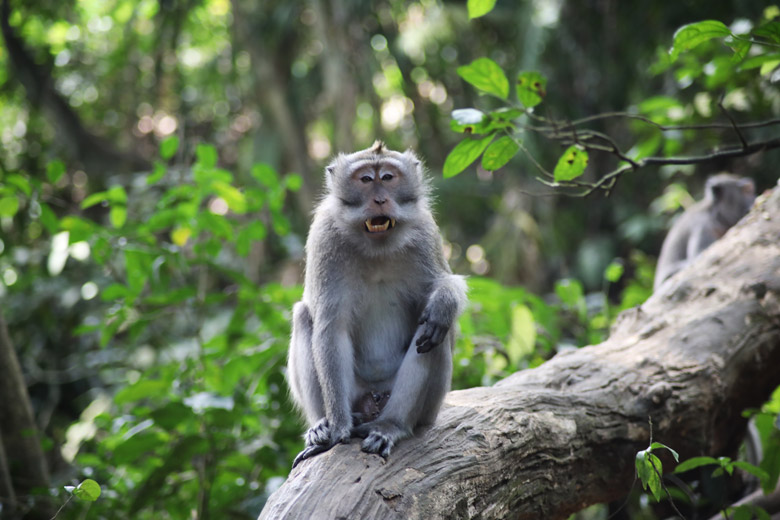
318, 434
378, 443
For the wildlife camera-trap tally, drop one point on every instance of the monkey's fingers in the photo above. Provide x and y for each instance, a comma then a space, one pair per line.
433, 334
310, 451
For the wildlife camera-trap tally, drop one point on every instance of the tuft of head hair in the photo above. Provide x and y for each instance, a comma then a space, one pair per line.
378, 147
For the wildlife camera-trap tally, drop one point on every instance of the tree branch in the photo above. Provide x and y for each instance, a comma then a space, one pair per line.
546, 442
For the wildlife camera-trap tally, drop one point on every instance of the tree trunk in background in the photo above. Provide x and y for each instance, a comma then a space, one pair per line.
21, 444
273, 97
547, 442
332, 23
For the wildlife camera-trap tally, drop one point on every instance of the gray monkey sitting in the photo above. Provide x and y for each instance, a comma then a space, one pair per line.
371, 348
727, 198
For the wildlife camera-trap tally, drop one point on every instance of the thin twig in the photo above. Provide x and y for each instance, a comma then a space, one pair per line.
733, 123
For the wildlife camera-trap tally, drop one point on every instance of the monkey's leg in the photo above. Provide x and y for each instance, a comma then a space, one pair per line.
304, 386
301, 374
418, 391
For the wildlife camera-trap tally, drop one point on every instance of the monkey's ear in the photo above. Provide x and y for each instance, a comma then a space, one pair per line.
412, 157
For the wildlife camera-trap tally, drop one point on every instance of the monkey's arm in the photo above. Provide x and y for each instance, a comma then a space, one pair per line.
446, 302
701, 238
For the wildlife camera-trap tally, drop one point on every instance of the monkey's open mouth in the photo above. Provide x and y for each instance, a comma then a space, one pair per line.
379, 224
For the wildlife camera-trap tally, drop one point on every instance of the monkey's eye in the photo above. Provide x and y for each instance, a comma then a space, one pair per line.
387, 177
365, 179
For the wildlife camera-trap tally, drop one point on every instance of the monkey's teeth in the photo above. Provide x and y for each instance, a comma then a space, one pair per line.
377, 228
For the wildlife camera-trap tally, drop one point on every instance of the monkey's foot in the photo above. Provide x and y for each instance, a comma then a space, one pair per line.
310, 451
318, 434
380, 436
320, 438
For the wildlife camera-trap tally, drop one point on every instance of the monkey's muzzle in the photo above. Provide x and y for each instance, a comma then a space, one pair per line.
379, 224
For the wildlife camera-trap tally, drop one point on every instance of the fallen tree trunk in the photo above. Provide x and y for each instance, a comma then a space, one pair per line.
546, 442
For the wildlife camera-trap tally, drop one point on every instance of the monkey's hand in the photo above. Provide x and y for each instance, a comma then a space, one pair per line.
320, 438
431, 331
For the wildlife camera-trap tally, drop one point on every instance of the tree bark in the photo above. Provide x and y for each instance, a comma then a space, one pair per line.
25, 464
547, 442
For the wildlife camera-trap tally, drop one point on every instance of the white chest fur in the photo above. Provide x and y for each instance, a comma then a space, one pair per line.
385, 321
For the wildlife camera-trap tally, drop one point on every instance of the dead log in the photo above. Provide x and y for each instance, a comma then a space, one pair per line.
547, 442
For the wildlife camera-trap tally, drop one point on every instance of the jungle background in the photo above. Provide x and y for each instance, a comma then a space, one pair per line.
159, 163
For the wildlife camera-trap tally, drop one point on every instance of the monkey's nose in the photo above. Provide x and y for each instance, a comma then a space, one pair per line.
380, 201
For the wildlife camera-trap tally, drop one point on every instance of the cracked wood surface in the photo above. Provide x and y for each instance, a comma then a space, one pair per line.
546, 442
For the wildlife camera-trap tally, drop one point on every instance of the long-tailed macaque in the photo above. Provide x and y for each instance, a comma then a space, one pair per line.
727, 198
371, 347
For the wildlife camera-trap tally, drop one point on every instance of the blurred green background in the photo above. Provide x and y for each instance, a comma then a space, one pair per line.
159, 161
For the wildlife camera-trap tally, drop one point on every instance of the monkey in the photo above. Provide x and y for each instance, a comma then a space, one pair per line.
727, 198
371, 346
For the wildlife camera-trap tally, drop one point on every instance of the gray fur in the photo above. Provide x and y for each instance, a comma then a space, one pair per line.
378, 311
727, 199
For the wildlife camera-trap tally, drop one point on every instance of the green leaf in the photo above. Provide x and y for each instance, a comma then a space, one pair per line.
21, 183
658, 446
118, 216
531, 88
770, 31
753, 470
477, 8
265, 175
572, 164
293, 182
9, 205
648, 468
157, 174
487, 76
506, 114
740, 48
49, 219
465, 153
499, 153
142, 389
54, 170
79, 228
658, 105
138, 267
689, 36
695, 462
171, 415
88, 490
206, 155
114, 291
523, 337
232, 196
280, 223
254, 232
168, 147
572, 295
614, 271
116, 195
91, 200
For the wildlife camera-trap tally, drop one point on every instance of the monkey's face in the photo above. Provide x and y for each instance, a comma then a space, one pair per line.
377, 199
378, 196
